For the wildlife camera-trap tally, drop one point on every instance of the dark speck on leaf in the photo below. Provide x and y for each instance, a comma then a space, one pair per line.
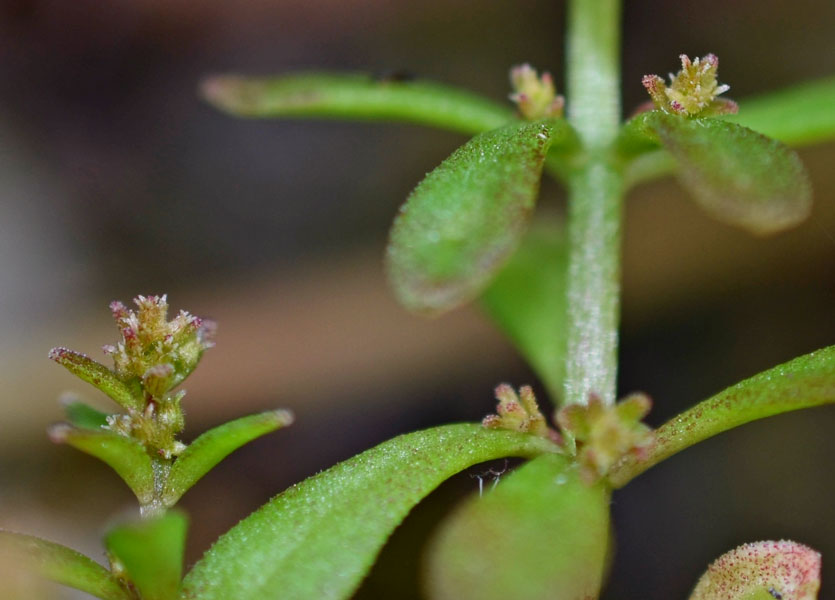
394, 76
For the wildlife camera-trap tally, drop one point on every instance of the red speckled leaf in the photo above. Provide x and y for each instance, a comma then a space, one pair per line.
762, 571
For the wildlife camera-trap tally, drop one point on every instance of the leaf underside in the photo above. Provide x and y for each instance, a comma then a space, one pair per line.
541, 533
320, 537
737, 175
463, 221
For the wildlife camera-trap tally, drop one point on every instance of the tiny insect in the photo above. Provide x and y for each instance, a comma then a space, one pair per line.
495, 474
775, 593
394, 76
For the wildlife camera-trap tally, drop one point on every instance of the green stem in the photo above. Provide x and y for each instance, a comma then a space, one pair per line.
595, 192
161, 468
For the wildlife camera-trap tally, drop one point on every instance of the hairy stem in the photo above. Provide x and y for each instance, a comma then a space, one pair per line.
595, 192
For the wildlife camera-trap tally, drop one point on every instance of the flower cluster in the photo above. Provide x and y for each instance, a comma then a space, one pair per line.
606, 433
692, 91
519, 412
535, 96
153, 356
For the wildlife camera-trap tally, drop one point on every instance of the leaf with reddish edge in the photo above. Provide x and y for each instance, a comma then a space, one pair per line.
60, 564
804, 382
762, 571
95, 373
542, 533
464, 220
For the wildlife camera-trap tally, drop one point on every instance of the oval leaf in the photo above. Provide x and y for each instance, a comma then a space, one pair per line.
527, 299
462, 222
804, 382
151, 554
355, 96
762, 571
61, 564
319, 538
737, 175
124, 455
215, 445
541, 534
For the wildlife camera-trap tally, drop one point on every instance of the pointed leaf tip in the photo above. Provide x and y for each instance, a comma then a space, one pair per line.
763, 570
463, 221
96, 374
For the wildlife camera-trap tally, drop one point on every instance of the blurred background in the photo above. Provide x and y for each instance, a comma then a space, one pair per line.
116, 180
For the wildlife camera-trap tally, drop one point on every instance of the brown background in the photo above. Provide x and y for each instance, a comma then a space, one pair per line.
116, 180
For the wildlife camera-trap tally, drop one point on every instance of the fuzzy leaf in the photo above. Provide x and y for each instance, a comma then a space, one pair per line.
60, 564
215, 445
737, 175
464, 220
86, 369
541, 533
320, 537
124, 455
151, 554
527, 299
84, 416
762, 571
355, 96
804, 382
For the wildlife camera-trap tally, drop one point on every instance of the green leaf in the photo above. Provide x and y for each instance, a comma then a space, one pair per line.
86, 369
464, 220
215, 445
151, 554
541, 533
527, 299
804, 382
798, 115
737, 175
355, 96
60, 564
319, 538
84, 416
124, 455
762, 571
